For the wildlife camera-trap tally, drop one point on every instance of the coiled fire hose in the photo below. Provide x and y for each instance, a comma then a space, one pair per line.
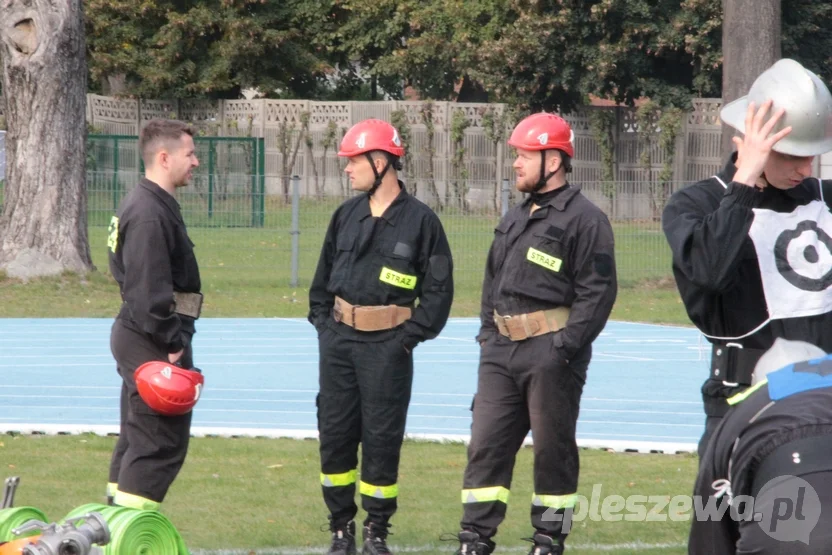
136, 532
16, 517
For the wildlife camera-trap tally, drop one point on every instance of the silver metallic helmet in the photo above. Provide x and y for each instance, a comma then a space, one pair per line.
783, 353
806, 100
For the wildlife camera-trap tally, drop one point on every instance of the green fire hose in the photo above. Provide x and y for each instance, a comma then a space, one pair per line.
13, 518
135, 532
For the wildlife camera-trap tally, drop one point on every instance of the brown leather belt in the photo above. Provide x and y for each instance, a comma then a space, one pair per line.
188, 304
524, 326
370, 318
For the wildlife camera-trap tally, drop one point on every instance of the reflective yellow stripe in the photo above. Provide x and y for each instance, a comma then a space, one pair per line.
334, 480
743, 395
112, 488
483, 495
379, 492
395, 278
112, 234
135, 502
542, 259
555, 501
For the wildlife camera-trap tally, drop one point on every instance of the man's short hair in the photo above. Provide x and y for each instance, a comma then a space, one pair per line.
395, 161
160, 133
565, 159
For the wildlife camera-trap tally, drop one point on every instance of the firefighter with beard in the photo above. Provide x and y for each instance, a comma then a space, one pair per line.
550, 284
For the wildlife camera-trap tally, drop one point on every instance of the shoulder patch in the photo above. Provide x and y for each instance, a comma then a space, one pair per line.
603, 264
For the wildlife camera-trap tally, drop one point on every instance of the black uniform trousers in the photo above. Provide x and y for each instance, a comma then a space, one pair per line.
151, 448
364, 395
522, 386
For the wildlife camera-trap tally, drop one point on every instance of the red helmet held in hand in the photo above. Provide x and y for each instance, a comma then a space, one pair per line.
167, 388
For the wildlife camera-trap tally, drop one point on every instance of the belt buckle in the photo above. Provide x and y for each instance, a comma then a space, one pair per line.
727, 356
508, 328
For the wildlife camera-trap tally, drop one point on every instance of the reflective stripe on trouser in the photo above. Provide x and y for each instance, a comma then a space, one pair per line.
483, 495
379, 492
151, 448
364, 395
335, 480
523, 386
111, 489
135, 501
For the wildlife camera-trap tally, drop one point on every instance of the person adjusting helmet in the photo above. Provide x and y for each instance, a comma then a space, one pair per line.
540, 133
383, 284
748, 244
550, 284
369, 136
167, 388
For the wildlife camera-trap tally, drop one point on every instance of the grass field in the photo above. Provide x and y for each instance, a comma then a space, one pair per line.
262, 496
256, 494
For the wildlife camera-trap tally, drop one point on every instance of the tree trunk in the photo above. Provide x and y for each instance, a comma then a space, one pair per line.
750, 45
43, 227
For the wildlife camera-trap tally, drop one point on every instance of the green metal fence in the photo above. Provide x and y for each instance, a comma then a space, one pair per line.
229, 180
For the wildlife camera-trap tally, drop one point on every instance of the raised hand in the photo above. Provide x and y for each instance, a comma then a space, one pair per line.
754, 148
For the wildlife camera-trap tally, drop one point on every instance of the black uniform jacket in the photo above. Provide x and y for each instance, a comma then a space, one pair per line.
151, 256
399, 258
562, 255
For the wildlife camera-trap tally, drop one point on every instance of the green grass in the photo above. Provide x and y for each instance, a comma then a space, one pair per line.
260, 493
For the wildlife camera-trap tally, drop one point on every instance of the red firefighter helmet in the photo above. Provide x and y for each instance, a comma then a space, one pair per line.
543, 132
167, 388
370, 135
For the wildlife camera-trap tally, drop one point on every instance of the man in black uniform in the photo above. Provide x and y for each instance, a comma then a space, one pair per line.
750, 244
152, 259
771, 456
384, 251
550, 284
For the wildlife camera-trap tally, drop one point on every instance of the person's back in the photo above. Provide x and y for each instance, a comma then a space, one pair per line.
773, 447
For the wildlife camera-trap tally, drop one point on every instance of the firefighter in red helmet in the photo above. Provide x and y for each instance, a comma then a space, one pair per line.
384, 250
550, 284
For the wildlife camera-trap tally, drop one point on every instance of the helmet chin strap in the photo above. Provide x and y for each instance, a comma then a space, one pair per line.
379, 176
543, 176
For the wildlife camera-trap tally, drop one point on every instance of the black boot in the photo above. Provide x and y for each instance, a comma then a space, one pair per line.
470, 543
343, 540
375, 539
546, 545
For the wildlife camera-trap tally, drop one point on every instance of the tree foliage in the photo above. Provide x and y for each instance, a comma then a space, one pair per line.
533, 53
185, 48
